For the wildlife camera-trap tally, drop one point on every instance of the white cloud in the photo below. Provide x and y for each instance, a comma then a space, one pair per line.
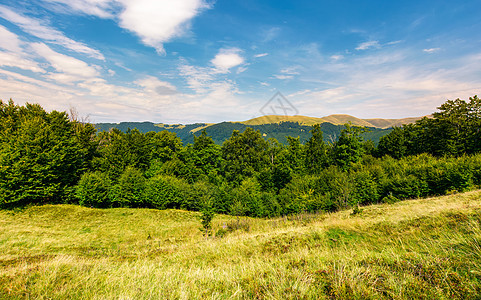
9, 40
99, 8
283, 77
227, 59
241, 69
70, 69
337, 57
39, 29
198, 78
16, 60
270, 34
261, 55
291, 70
431, 50
367, 45
13, 55
154, 85
394, 42
157, 22
374, 86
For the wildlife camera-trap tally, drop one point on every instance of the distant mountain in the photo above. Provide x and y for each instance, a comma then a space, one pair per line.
338, 119
277, 127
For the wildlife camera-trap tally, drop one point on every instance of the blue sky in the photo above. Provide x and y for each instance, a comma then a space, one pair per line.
186, 61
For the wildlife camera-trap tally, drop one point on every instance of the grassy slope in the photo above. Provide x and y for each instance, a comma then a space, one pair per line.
338, 119
428, 248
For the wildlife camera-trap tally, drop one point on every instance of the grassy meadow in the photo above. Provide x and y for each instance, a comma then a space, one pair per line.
416, 249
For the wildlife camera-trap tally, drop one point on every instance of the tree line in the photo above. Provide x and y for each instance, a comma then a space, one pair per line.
51, 157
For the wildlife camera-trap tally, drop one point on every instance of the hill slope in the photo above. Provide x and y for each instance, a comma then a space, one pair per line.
427, 248
222, 131
336, 119
274, 126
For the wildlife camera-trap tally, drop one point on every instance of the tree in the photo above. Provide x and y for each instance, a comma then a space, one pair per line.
118, 150
41, 158
348, 149
295, 154
393, 144
244, 154
316, 151
205, 155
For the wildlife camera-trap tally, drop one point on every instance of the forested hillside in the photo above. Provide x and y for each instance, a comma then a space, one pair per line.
47, 157
222, 131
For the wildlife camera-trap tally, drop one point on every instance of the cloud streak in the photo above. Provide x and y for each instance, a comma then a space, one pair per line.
40, 30
368, 45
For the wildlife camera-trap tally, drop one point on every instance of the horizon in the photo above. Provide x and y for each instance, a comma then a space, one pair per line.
243, 121
204, 61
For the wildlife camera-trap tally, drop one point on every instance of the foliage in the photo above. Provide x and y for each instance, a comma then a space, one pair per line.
244, 154
41, 154
453, 131
129, 191
206, 217
164, 191
44, 155
93, 189
349, 148
316, 151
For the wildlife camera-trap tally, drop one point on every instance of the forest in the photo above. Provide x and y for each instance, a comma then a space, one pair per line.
220, 132
52, 157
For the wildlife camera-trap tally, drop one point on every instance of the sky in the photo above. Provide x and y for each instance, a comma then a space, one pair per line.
188, 61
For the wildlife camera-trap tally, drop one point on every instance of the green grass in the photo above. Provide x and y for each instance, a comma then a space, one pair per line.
417, 249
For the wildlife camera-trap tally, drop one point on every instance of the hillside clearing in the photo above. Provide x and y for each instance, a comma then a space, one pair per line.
426, 248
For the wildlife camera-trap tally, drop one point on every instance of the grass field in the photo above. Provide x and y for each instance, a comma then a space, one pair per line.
418, 249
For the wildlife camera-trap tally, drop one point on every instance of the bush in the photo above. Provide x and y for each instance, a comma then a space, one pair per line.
405, 187
365, 188
164, 191
129, 191
93, 189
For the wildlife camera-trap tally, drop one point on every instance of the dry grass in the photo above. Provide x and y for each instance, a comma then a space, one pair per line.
428, 248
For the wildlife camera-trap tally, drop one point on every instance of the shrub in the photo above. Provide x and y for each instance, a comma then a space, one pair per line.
405, 187
93, 189
129, 191
365, 188
164, 191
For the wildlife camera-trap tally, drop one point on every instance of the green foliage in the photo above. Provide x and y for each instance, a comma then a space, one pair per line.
244, 154
93, 189
41, 157
129, 191
164, 191
393, 144
207, 214
349, 148
118, 150
453, 131
44, 155
316, 151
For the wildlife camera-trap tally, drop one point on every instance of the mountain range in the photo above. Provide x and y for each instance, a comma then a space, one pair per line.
271, 126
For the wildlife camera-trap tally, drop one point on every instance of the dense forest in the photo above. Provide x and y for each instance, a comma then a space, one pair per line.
51, 157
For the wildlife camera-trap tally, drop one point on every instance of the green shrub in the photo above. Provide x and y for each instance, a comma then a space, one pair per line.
93, 189
405, 187
129, 191
366, 190
164, 191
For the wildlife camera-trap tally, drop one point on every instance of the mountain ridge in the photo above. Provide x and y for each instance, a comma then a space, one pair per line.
336, 119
